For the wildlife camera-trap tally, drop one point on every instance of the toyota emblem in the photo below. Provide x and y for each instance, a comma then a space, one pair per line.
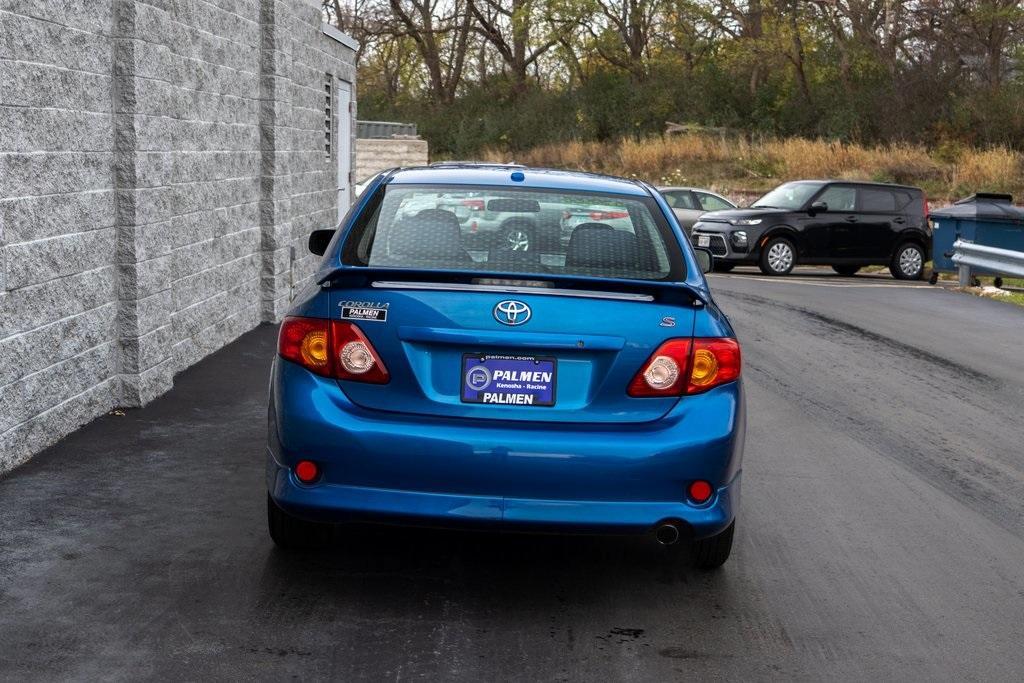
511, 312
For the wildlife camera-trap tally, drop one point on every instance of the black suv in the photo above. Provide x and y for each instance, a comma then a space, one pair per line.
840, 223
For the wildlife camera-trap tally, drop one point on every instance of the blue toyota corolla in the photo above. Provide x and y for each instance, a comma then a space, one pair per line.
556, 375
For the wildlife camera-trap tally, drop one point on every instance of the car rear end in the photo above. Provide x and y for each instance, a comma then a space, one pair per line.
590, 387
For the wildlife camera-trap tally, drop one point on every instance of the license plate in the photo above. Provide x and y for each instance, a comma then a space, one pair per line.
509, 380
703, 240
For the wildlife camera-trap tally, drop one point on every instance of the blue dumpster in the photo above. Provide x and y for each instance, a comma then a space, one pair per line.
982, 218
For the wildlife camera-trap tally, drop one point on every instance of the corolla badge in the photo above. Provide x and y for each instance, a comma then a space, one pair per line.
511, 312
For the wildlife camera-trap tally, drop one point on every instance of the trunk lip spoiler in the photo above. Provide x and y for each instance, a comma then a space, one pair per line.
409, 278
509, 289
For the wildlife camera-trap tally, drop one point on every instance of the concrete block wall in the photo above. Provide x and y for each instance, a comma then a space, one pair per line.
159, 161
300, 181
58, 280
377, 154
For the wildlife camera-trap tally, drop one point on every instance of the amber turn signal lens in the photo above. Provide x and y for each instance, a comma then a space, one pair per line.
705, 368
314, 349
715, 362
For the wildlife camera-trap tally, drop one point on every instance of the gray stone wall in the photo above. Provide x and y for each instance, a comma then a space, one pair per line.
374, 155
161, 164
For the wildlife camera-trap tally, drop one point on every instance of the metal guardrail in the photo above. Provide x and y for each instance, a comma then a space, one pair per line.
384, 129
968, 256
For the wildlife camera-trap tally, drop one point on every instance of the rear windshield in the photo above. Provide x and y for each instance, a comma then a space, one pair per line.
447, 227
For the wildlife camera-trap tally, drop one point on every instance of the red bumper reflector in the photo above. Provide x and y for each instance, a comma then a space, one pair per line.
700, 491
306, 471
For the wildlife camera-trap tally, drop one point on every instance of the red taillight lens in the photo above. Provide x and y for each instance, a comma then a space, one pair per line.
332, 348
681, 366
354, 355
607, 215
664, 373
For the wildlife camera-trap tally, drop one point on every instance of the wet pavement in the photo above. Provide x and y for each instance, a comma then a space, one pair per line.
881, 531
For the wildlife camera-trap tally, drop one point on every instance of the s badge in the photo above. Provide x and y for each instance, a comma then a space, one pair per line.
668, 321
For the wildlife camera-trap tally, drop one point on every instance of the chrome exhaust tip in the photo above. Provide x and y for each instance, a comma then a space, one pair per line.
667, 534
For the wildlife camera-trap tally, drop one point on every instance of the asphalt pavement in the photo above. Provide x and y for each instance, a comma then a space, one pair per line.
881, 533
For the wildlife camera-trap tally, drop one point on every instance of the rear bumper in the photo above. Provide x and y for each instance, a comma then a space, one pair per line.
380, 466
340, 503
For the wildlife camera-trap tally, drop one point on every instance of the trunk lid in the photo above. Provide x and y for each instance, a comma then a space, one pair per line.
433, 330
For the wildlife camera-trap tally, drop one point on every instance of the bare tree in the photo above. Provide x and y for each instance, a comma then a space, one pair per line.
440, 31
507, 25
632, 23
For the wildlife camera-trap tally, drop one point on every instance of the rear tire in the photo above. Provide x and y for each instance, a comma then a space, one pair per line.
907, 262
517, 238
846, 271
778, 257
712, 552
292, 533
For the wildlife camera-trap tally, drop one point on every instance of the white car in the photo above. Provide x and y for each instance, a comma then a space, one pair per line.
613, 216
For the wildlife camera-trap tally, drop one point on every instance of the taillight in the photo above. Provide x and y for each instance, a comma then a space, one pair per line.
332, 348
354, 355
715, 361
682, 366
924, 201
664, 373
607, 215
306, 341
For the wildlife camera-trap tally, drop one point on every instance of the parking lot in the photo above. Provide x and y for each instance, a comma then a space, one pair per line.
882, 530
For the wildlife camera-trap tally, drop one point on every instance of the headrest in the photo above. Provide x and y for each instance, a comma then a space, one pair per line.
431, 233
597, 245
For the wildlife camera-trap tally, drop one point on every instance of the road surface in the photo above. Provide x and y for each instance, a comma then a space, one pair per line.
881, 531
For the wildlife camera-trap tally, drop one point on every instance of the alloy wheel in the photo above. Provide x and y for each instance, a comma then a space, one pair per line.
780, 257
910, 261
517, 240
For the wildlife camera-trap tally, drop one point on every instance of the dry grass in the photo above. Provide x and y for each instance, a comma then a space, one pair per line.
996, 169
735, 165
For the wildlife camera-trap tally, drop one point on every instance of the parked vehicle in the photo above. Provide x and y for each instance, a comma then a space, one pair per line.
690, 203
592, 386
491, 218
615, 215
494, 218
845, 224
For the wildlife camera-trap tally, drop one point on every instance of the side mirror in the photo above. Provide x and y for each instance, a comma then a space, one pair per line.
818, 207
705, 259
318, 241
